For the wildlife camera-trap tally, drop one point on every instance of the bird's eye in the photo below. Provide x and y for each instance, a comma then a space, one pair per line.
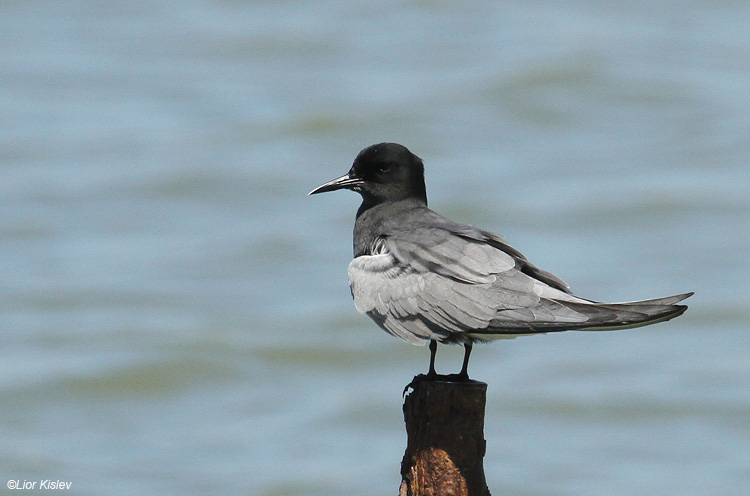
385, 168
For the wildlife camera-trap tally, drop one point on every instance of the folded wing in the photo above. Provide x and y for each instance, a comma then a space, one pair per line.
455, 283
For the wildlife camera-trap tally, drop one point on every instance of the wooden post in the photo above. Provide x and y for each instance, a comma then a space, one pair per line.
445, 446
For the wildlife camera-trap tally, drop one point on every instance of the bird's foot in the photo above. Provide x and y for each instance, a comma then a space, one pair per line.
434, 377
460, 377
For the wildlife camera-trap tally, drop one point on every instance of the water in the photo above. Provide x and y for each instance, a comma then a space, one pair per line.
174, 310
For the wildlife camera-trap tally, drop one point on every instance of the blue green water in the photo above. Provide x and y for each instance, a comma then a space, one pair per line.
174, 311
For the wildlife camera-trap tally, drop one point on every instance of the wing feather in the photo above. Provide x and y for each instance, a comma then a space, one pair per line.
436, 283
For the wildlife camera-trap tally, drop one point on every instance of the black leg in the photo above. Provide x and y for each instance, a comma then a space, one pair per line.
433, 351
464, 374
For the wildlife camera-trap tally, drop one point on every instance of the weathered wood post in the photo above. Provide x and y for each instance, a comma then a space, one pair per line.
445, 446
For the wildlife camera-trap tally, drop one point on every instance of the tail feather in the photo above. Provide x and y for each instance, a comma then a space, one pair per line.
668, 300
594, 316
612, 316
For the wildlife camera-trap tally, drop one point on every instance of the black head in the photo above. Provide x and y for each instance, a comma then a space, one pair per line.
385, 172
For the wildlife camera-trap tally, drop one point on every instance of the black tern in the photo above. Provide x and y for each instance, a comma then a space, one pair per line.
424, 278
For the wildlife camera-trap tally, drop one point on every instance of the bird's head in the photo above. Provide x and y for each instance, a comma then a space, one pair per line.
386, 172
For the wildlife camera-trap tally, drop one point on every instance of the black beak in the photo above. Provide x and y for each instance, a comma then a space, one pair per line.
343, 182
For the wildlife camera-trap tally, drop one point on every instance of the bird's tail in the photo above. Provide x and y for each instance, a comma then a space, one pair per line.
577, 314
612, 316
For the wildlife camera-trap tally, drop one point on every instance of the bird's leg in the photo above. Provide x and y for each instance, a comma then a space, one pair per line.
431, 375
433, 351
464, 374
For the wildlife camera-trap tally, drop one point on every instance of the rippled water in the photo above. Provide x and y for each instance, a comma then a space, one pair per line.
174, 309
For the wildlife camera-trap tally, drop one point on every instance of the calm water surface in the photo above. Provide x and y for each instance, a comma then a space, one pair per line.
174, 311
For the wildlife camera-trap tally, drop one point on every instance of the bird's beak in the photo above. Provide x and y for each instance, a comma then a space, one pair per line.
343, 182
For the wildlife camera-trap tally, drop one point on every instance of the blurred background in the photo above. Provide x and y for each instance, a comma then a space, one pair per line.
175, 317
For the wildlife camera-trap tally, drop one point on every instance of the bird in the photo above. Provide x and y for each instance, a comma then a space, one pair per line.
426, 279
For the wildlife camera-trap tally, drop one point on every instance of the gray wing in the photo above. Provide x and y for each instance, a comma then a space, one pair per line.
465, 284
433, 283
